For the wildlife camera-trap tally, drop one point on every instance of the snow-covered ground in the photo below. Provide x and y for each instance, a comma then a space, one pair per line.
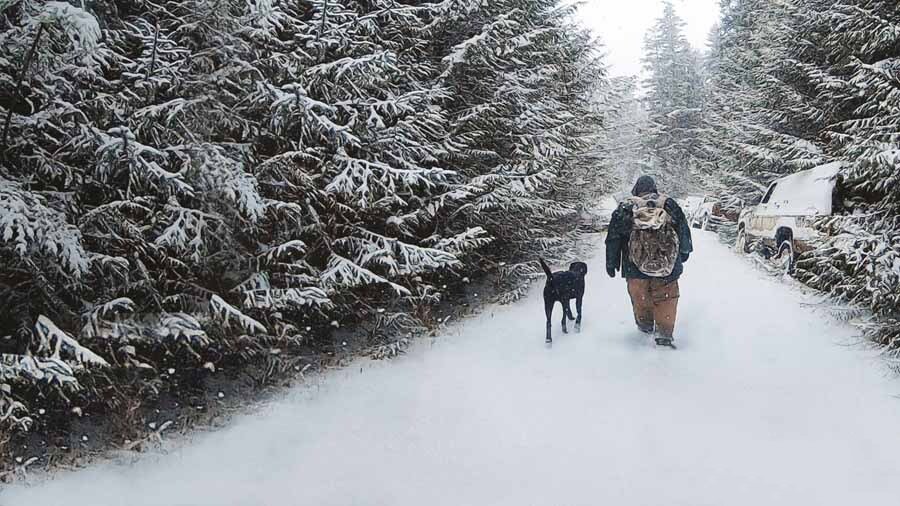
761, 405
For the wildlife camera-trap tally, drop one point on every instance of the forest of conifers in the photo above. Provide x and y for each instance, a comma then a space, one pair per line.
191, 186
784, 87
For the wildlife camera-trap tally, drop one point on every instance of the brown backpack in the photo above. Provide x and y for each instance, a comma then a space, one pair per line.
653, 245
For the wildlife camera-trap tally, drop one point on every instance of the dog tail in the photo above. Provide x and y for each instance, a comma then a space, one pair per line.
546, 269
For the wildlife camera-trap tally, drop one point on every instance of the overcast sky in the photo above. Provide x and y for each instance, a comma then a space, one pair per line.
621, 25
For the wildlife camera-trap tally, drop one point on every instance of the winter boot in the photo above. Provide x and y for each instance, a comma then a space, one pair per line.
665, 341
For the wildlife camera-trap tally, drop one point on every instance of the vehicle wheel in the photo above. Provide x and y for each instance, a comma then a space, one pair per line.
742, 244
786, 258
705, 224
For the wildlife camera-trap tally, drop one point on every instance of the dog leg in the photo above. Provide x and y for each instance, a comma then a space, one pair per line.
578, 320
564, 329
567, 309
548, 309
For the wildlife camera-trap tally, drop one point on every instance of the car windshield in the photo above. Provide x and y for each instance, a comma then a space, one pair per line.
768, 195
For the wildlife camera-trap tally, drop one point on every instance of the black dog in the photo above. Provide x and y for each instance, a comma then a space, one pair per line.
564, 286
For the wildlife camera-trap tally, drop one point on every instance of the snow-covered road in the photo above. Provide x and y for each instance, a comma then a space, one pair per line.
761, 405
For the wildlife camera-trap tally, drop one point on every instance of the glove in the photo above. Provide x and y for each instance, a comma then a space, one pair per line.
684, 257
611, 272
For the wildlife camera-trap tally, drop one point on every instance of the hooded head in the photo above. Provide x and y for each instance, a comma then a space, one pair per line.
643, 186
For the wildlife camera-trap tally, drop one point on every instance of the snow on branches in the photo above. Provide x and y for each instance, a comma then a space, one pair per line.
56, 341
471, 240
344, 273
798, 84
34, 232
394, 256
368, 181
79, 26
222, 177
228, 315
58, 356
185, 233
174, 176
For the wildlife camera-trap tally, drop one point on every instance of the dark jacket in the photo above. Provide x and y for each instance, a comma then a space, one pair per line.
620, 231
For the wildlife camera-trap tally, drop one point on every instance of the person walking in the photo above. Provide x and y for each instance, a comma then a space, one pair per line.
649, 240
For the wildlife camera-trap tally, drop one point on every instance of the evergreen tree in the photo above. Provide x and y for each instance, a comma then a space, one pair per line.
763, 110
859, 261
798, 84
193, 182
518, 72
623, 142
674, 99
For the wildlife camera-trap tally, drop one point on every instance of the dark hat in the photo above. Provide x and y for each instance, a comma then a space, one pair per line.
643, 186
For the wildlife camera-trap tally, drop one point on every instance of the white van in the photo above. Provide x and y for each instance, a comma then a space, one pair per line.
783, 219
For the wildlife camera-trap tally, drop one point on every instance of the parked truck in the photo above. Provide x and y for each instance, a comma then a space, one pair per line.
782, 224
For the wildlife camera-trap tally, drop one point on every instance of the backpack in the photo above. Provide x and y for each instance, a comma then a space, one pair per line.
653, 245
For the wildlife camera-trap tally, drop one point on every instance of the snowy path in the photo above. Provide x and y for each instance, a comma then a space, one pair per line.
761, 405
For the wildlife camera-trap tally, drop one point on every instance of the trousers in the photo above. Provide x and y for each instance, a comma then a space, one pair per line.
655, 305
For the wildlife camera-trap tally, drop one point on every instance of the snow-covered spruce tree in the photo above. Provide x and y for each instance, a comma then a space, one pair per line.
187, 184
802, 83
731, 95
674, 101
859, 262
44, 267
720, 171
521, 77
622, 143
761, 112
127, 194
354, 131
155, 140
739, 156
